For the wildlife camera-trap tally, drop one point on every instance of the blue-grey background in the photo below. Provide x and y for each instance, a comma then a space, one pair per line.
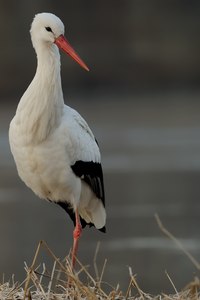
141, 99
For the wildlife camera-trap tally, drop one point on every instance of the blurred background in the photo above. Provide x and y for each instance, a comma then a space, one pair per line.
141, 100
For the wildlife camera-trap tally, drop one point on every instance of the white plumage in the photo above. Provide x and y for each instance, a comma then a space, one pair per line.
53, 147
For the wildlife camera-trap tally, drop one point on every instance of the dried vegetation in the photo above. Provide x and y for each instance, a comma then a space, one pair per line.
61, 283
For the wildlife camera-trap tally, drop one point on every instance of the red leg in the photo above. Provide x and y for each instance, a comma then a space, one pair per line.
76, 234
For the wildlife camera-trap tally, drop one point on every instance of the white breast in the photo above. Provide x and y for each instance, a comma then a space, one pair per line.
45, 167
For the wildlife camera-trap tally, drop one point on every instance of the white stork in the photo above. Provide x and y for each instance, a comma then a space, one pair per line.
55, 151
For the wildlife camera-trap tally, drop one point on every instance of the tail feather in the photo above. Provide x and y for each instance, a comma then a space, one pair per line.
67, 207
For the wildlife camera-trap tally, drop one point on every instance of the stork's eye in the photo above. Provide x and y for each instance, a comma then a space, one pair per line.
48, 29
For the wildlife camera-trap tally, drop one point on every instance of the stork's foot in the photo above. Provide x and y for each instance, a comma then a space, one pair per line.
76, 235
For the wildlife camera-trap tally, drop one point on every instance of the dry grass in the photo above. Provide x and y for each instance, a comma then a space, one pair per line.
61, 282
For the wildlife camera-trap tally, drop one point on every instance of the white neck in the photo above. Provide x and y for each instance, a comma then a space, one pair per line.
41, 107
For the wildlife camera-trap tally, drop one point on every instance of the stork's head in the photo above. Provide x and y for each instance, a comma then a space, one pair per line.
47, 29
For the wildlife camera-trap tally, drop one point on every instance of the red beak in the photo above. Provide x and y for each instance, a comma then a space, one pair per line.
63, 44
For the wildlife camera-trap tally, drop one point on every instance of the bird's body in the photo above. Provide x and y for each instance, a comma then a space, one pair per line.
54, 149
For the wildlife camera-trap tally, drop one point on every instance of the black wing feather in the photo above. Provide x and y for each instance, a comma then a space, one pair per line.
91, 173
